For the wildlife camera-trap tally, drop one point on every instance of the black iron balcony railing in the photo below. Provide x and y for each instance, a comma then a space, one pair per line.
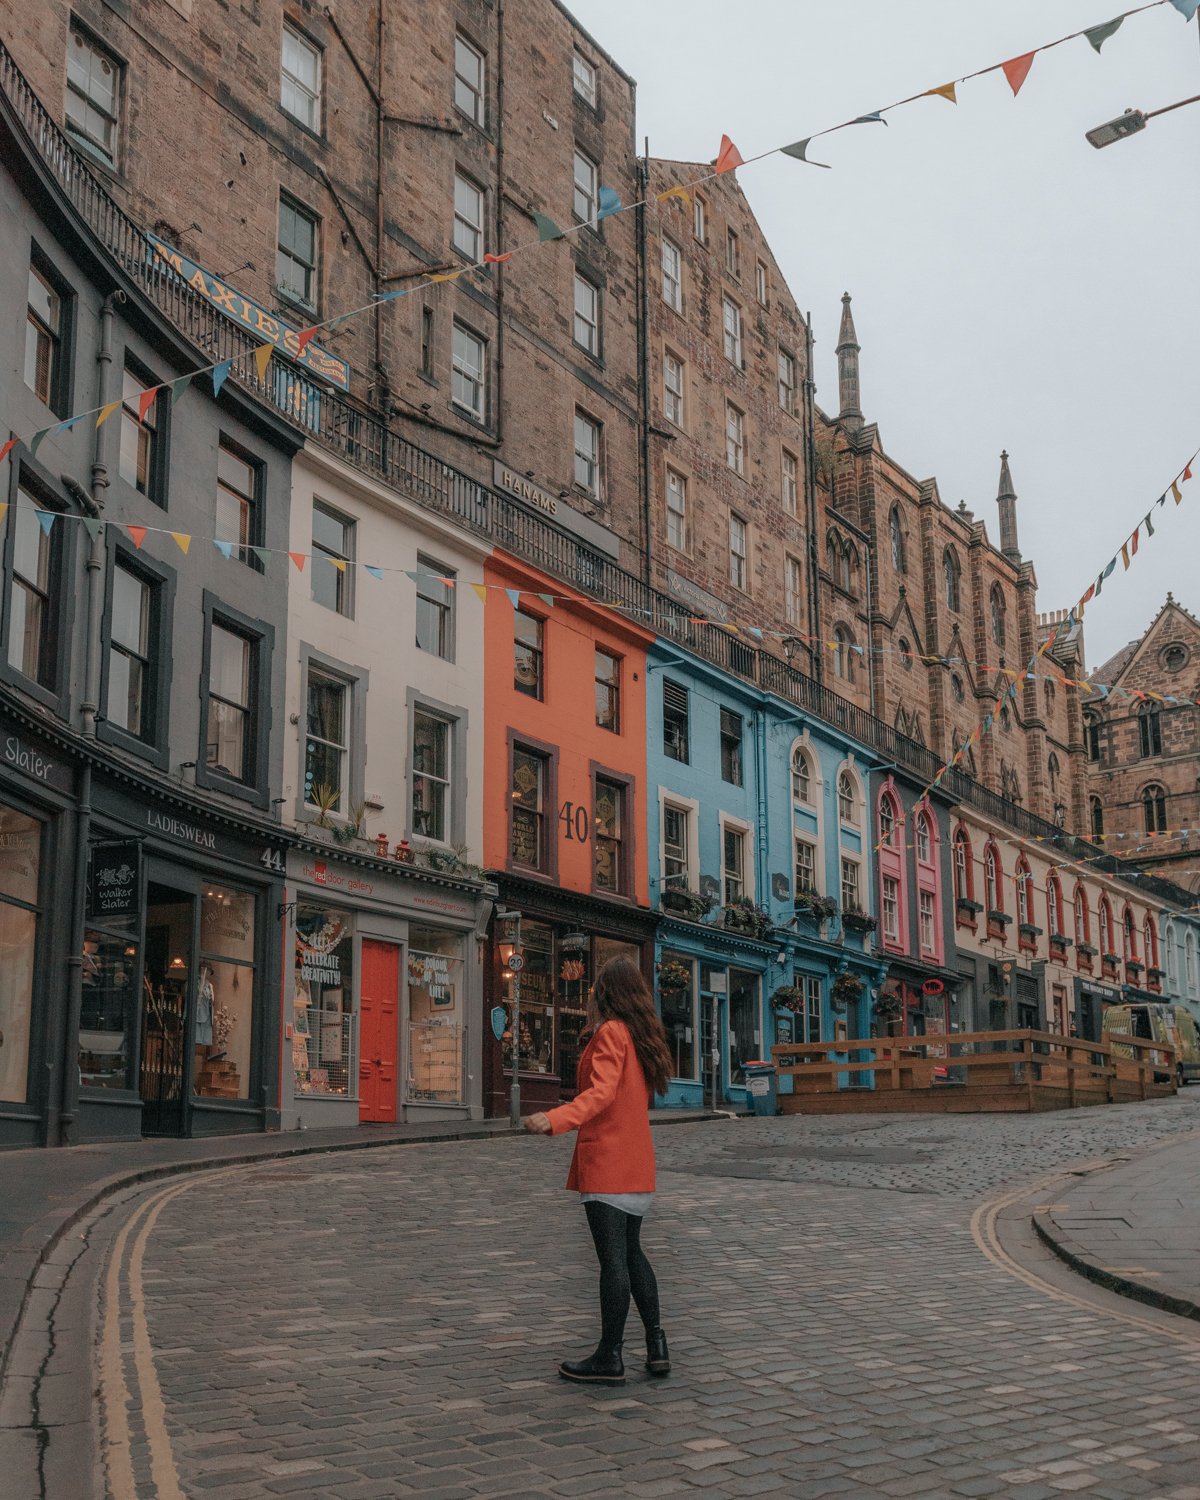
367, 442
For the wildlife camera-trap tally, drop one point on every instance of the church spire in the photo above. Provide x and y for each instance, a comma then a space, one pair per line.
850, 411
1006, 498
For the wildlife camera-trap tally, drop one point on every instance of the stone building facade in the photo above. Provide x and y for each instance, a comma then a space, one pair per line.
1143, 748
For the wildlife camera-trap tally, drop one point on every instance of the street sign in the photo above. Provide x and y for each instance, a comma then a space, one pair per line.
499, 1020
516, 963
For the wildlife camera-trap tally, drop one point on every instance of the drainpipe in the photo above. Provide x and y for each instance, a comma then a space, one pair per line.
762, 874
644, 358
500, 225
870, 638
69, 1085
95, 563
816, 657
383, 386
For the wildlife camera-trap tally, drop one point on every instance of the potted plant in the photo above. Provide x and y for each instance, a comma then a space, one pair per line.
740, 914
674, 977
816, 908
857, 920
789, 997
846, 988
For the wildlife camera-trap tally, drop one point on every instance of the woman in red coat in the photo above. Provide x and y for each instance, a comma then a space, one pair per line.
613, 1166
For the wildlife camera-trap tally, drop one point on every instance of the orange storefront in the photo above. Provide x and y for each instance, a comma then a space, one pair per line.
564, 820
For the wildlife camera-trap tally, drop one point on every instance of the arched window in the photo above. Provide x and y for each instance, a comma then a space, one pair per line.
887, 820
1054, 911
799, 776
991, 867
846, 798
1024, 893
1091, 736
1083, 924
964, 874
849, 567
843, 654
952, 578
1128, 935
1052, 768
1150, 942
923, 839
1189, 960
1149, 732
897, 540
997, 614
1106, 927
906, 655
1097, 817
1169, 943
1154, 809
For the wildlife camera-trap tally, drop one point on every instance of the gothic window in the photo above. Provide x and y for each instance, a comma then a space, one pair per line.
906, 655
1097, 817
897, 540
998, 614
843, 655
1149, 732
956, 687
849, 567
952, 579
1091, 735
1154, 808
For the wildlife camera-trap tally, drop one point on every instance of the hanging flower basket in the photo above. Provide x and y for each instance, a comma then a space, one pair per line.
816, 908
788, 997
889, 1007
674, 978
846, 989
859, 921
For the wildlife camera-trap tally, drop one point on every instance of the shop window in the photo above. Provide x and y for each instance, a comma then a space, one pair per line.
677, 1007
806, 868
609, 837
332, 552
296, 255
608, 691
324, 1037
731, 747
675, 721
535, 1046
528, 654
225, 993
238, 504
435, 608
35, 593
236, 682
468, 80
733, 845
431, 785
676, 830
300, 79
20, 862
325, 744
528, 841
143, 455
436, 1016
93, 96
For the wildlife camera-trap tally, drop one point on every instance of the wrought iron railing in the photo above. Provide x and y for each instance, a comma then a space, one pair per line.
367, 442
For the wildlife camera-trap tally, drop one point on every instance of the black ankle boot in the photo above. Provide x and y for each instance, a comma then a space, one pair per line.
658, 1359
605, 1367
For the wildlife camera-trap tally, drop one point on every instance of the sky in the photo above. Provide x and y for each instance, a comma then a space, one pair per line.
1013, 287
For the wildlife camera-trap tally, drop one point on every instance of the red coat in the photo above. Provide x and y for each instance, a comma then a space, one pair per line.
614, 1152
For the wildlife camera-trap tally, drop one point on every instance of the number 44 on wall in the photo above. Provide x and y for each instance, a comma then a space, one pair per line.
579, 822
272, 859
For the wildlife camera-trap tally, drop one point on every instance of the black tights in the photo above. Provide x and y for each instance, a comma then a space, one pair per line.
623, 1269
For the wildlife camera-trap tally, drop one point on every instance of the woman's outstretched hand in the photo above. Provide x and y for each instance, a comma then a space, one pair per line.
538, 1124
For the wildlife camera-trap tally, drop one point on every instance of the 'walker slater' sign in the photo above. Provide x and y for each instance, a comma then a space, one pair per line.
114, 885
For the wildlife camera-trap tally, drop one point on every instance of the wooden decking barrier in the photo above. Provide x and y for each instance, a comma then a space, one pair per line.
968, 1072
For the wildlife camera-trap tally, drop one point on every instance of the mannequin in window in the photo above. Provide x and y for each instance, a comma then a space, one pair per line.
204, 1008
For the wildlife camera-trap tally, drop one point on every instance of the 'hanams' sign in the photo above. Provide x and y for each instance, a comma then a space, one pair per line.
260, 322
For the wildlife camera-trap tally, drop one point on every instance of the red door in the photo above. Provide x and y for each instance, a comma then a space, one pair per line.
378, 1035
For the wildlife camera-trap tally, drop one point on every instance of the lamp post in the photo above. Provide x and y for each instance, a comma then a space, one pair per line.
514, 961
1130, 123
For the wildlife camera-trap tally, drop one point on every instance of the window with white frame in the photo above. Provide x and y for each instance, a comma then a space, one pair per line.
927, 924
923, 839
587, 453
791, 575
787, 381
760, 283
992, 884
93, 95
801, 777
300, 79
676, 511
586, 315
735, 445
846, 798
325, 748
468, 80
583, 78
676, 827
673, 388
700, 219
585, 189
789, 482
850, 885
468, 217
806, 868
731, 252
737, 552
734, 862
1023, 883
891, 909
733, 332
470, 370
672, 274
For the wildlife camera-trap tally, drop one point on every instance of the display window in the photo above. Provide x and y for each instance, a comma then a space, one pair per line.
20, 864
108, 1016
535, 1050
677, 1002
435, 1015
323, 1039
225, 994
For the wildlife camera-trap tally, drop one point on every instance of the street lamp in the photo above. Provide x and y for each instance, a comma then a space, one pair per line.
1130, 123
513, 961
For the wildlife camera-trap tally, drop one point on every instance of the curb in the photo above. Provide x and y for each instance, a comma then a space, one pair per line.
1180, 1306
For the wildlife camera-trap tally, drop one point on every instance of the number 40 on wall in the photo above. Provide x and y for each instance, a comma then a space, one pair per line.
579, 822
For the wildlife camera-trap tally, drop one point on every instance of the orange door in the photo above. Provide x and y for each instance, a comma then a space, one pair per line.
378, 1034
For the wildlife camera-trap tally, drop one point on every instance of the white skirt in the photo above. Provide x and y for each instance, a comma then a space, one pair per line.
637, 1204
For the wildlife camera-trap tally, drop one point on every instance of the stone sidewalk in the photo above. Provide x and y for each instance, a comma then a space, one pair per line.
1136, 1228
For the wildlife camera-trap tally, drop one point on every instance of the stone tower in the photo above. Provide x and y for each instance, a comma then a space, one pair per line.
850, 413
1006, 498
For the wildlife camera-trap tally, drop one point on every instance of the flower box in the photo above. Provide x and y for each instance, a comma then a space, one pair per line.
1110, 960
967, 905
1027, 929
1159, 974
1135, 964
859, 921
1060, 940
745, 916
999, 918
816, 908
688, 904
1086, 949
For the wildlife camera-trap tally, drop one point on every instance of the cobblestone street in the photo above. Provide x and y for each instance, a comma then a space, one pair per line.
389, 1323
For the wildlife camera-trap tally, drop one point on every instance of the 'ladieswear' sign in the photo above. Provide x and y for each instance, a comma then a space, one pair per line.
114, 884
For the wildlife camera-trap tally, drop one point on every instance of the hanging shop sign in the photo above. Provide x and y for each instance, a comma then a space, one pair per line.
114, 883
257, 319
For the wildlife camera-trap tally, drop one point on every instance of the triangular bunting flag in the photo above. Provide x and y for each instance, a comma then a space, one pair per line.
345, 318
547, 598
304, 336
178, 387
1175, 492
610, 203
262, 358
408, 573
219, 373
1186, 8
514, 596
379, 299
1098, 35
759, 635
947, 91
35, 442
94, 528
3, 510
1133, 549
872, 119
45, 518
547, 229
224, 548
797, 150
1016, 70
138, 533
339, 563
298, 558
183, 540
1149, 528
106, 412
1104, 575
453, 276
481, 590
264, 556
374, 572
675, 192
145, 401
8, 447
1162, 499
1125, 556
728, 157
496, 260
1187, 473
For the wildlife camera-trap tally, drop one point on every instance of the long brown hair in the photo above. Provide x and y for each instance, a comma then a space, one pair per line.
621, 994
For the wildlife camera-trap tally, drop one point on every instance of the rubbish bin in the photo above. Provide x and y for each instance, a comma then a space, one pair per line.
761, 1091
